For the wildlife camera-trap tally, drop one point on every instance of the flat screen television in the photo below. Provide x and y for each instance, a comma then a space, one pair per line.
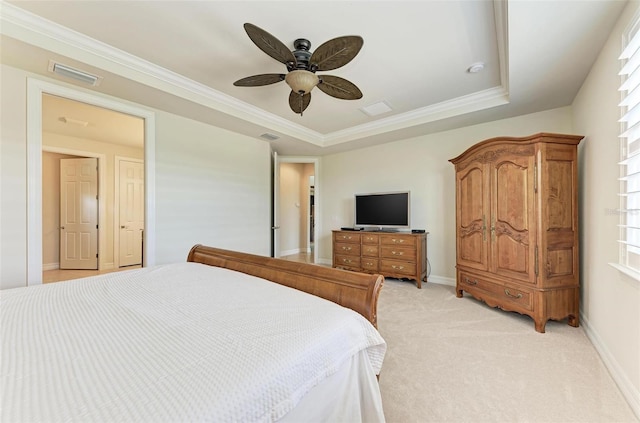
383, 210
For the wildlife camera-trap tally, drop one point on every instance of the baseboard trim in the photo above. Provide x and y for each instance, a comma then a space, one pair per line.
290, 252
629, 392
50, 266
441, 280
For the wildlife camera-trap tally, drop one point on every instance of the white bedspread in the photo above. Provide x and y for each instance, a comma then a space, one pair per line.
180, 342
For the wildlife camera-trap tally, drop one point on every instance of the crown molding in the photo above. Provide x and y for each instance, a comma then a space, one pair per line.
32, 29
481, 100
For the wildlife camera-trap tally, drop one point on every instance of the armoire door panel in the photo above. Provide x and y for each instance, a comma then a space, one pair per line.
472, 216
559, 192
513, 218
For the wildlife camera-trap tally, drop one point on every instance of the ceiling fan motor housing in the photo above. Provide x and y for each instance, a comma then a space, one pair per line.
302, 53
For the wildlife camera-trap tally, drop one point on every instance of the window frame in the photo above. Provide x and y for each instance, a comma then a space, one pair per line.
629, 148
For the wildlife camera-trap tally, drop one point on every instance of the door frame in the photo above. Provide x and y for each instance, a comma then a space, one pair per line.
35, 90
317, 200
102, 206
116, 206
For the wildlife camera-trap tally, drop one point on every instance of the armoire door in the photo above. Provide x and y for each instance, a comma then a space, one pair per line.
472, 216
513, 212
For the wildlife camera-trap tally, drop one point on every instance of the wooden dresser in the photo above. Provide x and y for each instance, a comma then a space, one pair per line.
517, 225
396, 254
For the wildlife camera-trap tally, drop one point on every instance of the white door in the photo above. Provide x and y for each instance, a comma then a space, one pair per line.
79, 213
275, 220
131, 219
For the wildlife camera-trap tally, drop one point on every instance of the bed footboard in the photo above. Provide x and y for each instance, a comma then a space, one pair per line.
357, 291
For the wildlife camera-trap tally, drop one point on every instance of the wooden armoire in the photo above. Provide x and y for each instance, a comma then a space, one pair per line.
517, 225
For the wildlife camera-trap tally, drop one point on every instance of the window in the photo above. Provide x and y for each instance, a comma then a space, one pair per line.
630, 152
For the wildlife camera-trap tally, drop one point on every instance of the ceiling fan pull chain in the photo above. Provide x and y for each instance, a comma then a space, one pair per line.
301, 103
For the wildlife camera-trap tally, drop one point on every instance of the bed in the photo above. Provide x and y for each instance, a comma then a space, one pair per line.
210, 339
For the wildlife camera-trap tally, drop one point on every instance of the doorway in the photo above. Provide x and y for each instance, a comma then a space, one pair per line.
297, 205
36, 90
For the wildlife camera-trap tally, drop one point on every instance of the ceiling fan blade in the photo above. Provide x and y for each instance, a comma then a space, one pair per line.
259, 80
336, 52
339, 87
299, 103
270, 45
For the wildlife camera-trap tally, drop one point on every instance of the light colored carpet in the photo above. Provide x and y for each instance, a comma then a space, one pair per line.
457, 360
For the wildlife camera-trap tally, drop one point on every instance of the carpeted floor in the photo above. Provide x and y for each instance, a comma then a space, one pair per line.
458, 360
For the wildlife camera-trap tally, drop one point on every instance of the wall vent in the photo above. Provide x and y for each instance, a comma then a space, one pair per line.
268, 136
77, 74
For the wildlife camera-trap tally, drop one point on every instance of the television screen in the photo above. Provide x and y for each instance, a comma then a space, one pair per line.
384, 210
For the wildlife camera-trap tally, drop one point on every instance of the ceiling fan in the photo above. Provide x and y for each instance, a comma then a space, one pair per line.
302, 65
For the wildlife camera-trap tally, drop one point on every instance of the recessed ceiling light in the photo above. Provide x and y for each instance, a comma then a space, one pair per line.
376, 109
77, 74
476, 67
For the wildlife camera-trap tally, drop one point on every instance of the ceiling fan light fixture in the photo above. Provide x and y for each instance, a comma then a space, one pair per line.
301, 81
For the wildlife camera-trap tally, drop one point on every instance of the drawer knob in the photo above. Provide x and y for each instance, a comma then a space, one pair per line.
346, 248
469, 281
346, 261
397, 253
509, 294
397, 267
397, 241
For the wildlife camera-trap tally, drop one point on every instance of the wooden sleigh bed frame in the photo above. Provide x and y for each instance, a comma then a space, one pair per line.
357, 291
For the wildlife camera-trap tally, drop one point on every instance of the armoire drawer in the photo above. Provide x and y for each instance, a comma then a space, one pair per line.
501, 293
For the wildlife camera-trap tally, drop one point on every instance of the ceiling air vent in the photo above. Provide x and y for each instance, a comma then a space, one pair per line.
269, 137
78, 75
376, 109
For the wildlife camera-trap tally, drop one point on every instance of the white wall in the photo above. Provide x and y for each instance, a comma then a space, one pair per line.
610, 301
13, 172
212, 186
421, 165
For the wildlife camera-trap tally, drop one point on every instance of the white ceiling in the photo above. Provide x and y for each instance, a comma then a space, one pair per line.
183, 57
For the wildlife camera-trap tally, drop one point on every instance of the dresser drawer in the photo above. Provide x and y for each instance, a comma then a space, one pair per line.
370, 238
370, 250
369, 264
399, 253
347, 261
347, 237
397, 267
347, 249
398, 239
501, 293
